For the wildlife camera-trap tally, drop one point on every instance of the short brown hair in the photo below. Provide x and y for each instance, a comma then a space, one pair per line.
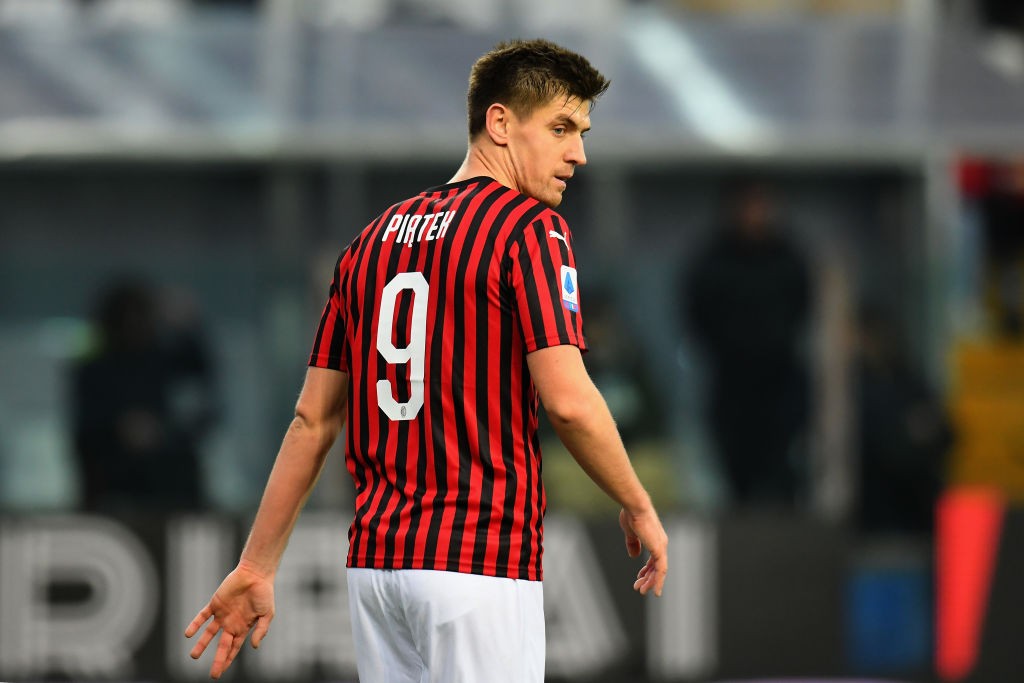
525, 74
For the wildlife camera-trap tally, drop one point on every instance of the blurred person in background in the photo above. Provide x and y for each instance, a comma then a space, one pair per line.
1002, 215
449, 318
618, 365
142, 403
746, 304
904, 433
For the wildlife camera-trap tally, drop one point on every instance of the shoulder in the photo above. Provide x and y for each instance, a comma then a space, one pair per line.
538, 218
522, 210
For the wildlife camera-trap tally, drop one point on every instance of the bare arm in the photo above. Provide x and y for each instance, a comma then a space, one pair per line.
319, 417
584, 424
245, 599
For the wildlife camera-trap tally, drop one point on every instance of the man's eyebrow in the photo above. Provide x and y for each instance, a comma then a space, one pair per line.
565, 120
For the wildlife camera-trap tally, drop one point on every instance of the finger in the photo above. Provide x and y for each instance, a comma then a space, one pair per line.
205, 639
632, 540
661, 571
220, 660
632, 544
260, 631
641, 578
654, 580
649, 583
645, 579
198, 622
235, 648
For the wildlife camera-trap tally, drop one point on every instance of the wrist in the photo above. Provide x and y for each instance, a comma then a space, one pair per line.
639, 506
264, 570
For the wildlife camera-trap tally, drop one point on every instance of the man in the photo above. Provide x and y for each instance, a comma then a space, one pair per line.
137, 444
448, 317
747, 301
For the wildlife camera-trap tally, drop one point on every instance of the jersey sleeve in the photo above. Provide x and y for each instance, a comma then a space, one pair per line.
545, 286
329, 345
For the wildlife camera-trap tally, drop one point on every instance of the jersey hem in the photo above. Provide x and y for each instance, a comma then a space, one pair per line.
327, 363
547, 342
477, 570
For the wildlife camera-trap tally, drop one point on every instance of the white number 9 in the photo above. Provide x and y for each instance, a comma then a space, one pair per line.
413, 354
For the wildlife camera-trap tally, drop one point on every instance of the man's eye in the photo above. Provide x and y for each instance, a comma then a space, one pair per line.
560, 130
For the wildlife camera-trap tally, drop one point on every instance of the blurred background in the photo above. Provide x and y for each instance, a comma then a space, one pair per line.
800, 245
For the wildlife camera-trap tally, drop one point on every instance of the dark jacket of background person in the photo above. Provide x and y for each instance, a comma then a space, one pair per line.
746, 305
141, 404
904, 434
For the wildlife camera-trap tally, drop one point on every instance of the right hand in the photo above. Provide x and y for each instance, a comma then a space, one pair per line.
244, 602
644, 530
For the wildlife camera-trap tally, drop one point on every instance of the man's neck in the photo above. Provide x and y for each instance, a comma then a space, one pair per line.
486, 160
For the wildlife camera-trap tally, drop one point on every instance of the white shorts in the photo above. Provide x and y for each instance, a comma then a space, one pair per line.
417, 626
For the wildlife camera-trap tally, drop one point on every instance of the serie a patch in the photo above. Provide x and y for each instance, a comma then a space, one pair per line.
570, 289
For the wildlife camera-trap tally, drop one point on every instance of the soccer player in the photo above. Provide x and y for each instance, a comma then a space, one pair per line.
448, 317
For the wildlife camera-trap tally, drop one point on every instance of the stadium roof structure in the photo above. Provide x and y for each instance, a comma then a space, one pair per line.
233, 86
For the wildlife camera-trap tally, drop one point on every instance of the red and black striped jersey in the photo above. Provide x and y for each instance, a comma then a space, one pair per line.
432, 311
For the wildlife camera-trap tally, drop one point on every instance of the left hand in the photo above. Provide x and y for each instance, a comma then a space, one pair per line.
244, 602
644, 530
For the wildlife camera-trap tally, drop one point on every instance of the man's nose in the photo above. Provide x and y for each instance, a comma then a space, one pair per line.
576, 155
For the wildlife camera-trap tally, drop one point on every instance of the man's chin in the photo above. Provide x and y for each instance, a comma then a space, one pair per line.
553, 200
550, 199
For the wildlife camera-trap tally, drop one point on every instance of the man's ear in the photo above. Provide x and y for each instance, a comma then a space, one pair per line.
498, 119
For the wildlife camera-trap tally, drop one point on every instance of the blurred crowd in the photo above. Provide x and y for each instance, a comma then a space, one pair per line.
143, 401
144, 395
748, 305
